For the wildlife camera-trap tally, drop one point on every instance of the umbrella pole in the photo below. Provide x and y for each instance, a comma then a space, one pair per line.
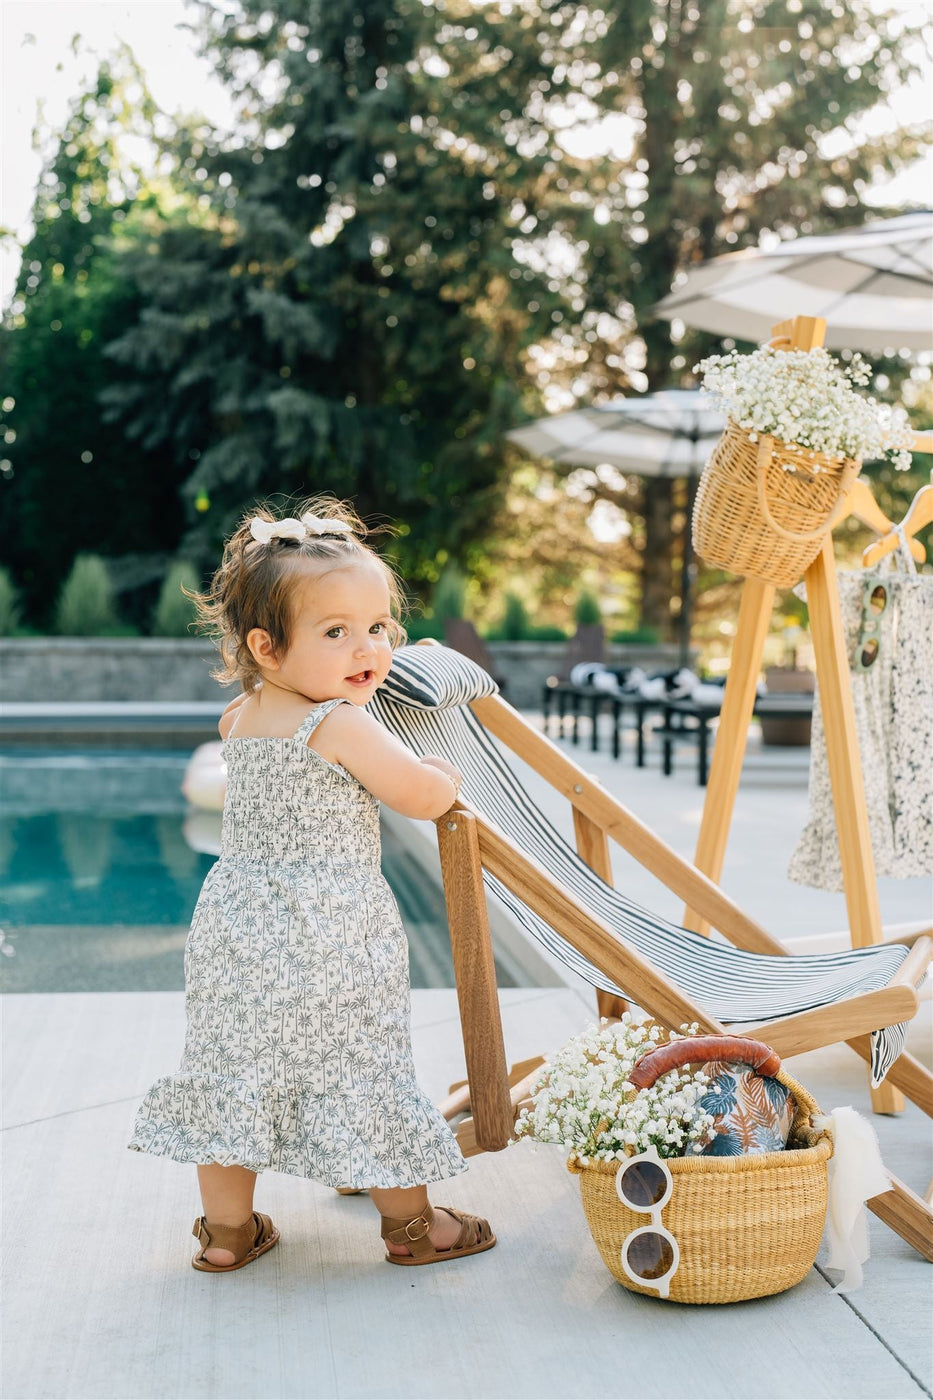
687, 573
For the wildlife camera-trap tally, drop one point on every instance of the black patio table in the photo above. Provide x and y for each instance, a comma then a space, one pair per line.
680, 719
566, 698
686, 719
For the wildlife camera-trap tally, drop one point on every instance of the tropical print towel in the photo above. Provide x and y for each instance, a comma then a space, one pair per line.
752, 1112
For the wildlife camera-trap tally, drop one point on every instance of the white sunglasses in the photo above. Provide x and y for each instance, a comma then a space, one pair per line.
650, 1255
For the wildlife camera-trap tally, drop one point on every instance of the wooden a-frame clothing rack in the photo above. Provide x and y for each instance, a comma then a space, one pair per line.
832, 669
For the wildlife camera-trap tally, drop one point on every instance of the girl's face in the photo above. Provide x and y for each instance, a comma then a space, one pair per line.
340, 645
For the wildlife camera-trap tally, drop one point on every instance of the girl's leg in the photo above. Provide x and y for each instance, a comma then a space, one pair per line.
407, 1202
227, 1199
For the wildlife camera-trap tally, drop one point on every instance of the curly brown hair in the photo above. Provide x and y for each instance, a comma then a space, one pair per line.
256, 582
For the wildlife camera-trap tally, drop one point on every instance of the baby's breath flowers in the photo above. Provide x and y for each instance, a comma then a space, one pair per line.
809, 399
585, 1102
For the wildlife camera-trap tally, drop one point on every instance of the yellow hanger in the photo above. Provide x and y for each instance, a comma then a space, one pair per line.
917, 518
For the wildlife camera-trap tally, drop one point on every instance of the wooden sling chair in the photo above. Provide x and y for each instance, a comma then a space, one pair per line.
437, 701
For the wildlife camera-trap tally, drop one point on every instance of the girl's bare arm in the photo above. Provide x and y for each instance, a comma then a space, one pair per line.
378, 760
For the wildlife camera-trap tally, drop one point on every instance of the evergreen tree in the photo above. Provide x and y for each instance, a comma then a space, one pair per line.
350, 310
72, 483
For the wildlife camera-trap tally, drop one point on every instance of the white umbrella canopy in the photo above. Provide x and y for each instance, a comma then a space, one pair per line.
670, 433
667, 434
873, 285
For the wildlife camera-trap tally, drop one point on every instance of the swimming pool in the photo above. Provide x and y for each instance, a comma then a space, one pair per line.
101, 862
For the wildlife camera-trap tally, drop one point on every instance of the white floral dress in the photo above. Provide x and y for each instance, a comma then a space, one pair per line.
893, 705
297, 1051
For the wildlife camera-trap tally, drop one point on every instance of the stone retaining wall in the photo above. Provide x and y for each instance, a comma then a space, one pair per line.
108, 668
160, 668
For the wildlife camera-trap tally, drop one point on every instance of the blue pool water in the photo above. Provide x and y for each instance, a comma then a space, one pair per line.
101, 862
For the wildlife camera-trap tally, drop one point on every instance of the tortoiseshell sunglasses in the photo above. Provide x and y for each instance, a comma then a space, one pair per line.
868, 645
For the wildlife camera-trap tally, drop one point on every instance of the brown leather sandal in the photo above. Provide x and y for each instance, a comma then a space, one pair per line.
245, 1242
475, 1237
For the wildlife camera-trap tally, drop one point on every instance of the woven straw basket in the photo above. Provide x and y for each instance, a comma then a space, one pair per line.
763, 509
747, 1226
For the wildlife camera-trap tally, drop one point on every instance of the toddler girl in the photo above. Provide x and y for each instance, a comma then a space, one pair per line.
297, 1050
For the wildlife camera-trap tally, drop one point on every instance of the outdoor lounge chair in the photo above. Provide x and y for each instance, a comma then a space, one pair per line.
437, 701
461, 636
588, 643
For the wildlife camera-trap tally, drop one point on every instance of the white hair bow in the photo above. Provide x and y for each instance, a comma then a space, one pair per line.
266, 530
319, 525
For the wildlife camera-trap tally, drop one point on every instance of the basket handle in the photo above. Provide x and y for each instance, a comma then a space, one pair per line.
850, 472
695, 1049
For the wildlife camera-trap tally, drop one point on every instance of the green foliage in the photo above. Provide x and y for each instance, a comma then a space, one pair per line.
515, 620
175, 612
649, 636
587, 612
419, 627
74, 483
740, 120
9, 605
344, 294
85, 605
449, 597
340, 306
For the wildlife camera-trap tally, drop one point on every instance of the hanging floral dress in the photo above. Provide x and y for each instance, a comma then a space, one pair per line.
893, 703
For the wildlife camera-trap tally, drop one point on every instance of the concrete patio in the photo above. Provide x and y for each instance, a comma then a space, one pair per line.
101, 1301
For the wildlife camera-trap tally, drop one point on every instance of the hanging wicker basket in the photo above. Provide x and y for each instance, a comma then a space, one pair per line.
746, 1226
763, 509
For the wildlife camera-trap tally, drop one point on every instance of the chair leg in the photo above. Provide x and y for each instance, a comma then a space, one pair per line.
908, 1214
458, 1098
906, 1074
475, 973
610, 1006
520, 1095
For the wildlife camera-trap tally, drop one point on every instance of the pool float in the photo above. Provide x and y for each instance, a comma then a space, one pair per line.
202, 831
205, 780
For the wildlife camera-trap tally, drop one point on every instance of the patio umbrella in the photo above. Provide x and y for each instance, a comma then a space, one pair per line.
670, 433
873, 285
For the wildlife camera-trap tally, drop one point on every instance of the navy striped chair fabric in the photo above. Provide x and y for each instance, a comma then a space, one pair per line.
425, 702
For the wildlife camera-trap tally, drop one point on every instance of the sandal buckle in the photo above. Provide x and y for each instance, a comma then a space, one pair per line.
419, 1220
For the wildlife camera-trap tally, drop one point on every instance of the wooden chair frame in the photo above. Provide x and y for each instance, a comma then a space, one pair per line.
469, 843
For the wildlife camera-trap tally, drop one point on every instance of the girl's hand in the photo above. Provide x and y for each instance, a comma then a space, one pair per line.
445, 766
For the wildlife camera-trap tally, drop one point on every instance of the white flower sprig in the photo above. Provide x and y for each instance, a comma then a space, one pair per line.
809, 399
585, 1102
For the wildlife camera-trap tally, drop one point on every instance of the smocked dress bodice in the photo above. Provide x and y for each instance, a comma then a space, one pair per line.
288, 805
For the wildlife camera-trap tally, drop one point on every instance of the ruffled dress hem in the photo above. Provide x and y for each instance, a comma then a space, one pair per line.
332, 1138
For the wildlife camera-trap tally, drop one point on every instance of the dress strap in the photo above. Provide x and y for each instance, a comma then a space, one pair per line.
898, 560
905, 558
313, 718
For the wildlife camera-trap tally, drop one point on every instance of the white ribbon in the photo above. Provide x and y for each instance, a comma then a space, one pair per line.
319, 525
856, 1174
266, 530
292, 529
